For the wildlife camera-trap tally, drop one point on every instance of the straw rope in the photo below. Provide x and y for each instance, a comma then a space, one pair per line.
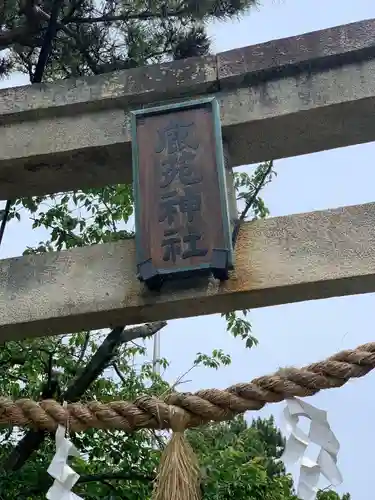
200, 407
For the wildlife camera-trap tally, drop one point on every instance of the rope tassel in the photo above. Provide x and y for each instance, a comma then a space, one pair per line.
178, 476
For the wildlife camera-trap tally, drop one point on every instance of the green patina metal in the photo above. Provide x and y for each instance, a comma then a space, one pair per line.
213, 104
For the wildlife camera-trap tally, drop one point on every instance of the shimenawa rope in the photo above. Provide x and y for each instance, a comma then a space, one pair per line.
199, 407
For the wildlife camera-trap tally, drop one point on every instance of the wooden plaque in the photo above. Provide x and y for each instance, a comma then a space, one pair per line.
181, 206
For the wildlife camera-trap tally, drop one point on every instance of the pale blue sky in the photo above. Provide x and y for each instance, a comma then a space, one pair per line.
294, 334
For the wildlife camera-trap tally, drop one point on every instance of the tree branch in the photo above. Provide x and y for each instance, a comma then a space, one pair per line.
73, 8
13, 361
20, 34
104, 355
100, 360
125, 17
35, 14
116, 476
119, 373
256, 191
90, 62
104, 478
49, 36
84, 349
250, 202
27, 8
4, 219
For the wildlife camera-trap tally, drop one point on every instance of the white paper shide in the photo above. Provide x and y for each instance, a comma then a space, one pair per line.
320, 434
64, 475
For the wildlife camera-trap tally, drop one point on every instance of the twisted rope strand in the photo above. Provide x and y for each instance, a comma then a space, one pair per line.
201, 407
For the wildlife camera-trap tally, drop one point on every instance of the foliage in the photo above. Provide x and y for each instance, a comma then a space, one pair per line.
242, 461
110, 453
97, 37
238, 460
252, 206
331, 495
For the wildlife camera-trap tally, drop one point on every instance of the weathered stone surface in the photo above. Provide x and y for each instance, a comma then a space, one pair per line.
76, 134
300, 115
315, 51
136, 86
277, 119
282, 260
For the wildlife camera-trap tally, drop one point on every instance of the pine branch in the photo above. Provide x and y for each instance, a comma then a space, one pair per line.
74, 6
20, 34
75, 37
142, 16
49, 36
30, 33
26, 32
34, 14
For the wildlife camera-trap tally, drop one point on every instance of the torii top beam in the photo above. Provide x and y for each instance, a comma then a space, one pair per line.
281, 98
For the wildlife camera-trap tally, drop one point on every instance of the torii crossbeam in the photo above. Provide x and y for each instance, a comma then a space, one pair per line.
278, 99
283, 98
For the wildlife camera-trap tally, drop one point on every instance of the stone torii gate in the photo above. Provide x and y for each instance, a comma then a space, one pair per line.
282, 98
